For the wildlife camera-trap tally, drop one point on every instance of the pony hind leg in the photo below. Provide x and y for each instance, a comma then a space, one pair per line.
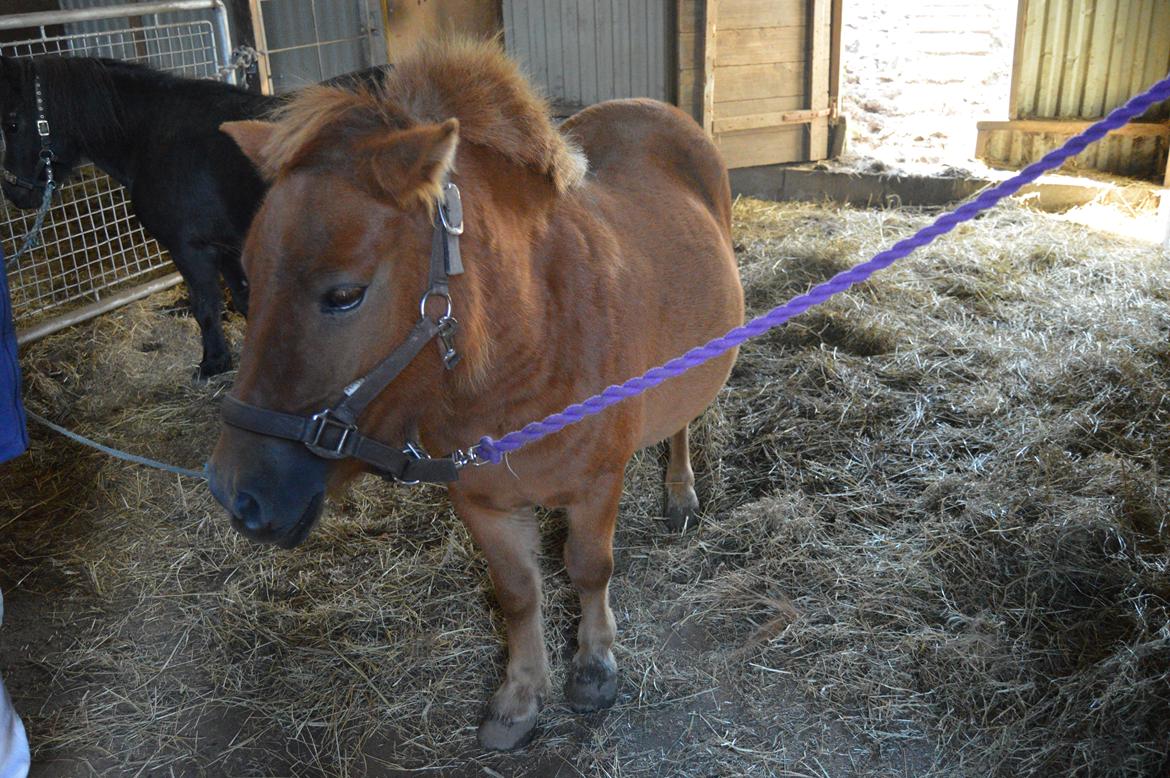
592, 680
682, 504
510, 542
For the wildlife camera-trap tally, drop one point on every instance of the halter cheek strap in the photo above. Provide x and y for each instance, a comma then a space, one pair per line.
332, 433
47, 156
33, 237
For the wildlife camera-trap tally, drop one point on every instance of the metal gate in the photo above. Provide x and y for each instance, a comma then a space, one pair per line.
303, 42
94, 255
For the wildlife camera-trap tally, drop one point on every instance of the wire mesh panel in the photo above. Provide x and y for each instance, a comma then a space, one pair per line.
91, 244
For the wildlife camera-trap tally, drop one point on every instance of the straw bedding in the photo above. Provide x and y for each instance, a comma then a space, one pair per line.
934, 543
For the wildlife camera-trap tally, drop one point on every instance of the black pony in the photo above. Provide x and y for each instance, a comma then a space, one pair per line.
158, 136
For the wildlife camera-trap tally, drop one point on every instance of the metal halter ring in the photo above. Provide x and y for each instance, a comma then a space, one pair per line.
324, 420
422, 306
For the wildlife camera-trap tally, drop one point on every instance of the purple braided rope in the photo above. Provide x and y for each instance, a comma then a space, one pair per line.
494, 450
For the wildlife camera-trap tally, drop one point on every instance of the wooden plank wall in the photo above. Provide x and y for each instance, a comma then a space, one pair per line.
770, 70
1077, 60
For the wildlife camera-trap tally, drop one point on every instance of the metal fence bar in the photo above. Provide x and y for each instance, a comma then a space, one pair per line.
48, 18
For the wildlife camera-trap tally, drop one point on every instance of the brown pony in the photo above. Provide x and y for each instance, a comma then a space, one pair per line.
575, 279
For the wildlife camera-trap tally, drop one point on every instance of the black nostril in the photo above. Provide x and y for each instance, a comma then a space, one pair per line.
247, 510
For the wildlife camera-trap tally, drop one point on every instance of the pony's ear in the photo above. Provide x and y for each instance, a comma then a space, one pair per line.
410, 165
252, 136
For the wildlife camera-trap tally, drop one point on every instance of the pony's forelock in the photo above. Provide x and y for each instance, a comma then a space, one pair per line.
474, 82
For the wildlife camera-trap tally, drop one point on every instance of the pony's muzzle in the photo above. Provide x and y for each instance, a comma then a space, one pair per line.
273, 491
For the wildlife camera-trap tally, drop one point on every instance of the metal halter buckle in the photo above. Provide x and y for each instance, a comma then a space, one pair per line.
416, 452
451, 209
43, 128
324, 420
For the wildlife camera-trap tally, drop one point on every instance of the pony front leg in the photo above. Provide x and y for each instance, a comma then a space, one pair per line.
200, 269
591, 683
510, 542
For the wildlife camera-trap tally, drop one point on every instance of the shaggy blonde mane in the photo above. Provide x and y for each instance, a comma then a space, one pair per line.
472, 81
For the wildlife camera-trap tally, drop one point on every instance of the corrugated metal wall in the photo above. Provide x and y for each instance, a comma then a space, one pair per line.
1083, 58
586, 51
1078, 60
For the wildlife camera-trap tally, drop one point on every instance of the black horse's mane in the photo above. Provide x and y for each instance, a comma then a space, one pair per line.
82, 100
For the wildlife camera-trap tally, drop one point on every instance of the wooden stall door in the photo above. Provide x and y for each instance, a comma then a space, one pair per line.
758, 74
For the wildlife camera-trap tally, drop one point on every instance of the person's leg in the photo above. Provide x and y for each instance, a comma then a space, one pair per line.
14, 756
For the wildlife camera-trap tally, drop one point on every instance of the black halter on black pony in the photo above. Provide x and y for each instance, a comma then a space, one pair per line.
45, 165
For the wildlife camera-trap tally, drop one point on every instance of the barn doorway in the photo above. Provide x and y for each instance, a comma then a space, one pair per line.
918, 76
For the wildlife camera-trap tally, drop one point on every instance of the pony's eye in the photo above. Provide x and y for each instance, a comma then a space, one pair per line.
343, 298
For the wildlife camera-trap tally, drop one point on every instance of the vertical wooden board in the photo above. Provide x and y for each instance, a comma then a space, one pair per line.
818, 87
1144, 33
1053, 59
1072, 82
1120, 60
710, 27
1158, 55
1033, 49
1097, 68
835, 27
1017, 58
587, 47
688, 88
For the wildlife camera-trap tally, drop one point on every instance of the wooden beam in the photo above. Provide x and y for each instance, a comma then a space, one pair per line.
1072, 127
760, 121
709, 27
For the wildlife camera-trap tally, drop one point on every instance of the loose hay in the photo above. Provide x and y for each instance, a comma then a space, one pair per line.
935, 544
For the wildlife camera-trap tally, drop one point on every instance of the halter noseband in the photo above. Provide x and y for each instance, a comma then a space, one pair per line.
332, 433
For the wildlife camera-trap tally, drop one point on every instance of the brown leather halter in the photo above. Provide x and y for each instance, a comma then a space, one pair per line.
332, 433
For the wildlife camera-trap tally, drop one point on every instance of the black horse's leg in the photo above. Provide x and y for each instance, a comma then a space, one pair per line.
200, 269
233, 274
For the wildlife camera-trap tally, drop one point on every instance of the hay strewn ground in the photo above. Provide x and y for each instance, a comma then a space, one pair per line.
935, 544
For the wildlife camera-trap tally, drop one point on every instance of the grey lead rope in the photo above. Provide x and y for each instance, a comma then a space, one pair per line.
33, 238
117, 454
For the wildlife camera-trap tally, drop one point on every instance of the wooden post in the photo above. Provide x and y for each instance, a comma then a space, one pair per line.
835, 23
819, 58
261, 47
709, 28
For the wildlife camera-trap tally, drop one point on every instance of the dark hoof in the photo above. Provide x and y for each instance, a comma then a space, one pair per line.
213, 367
592, 685
499, 734
681, 511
